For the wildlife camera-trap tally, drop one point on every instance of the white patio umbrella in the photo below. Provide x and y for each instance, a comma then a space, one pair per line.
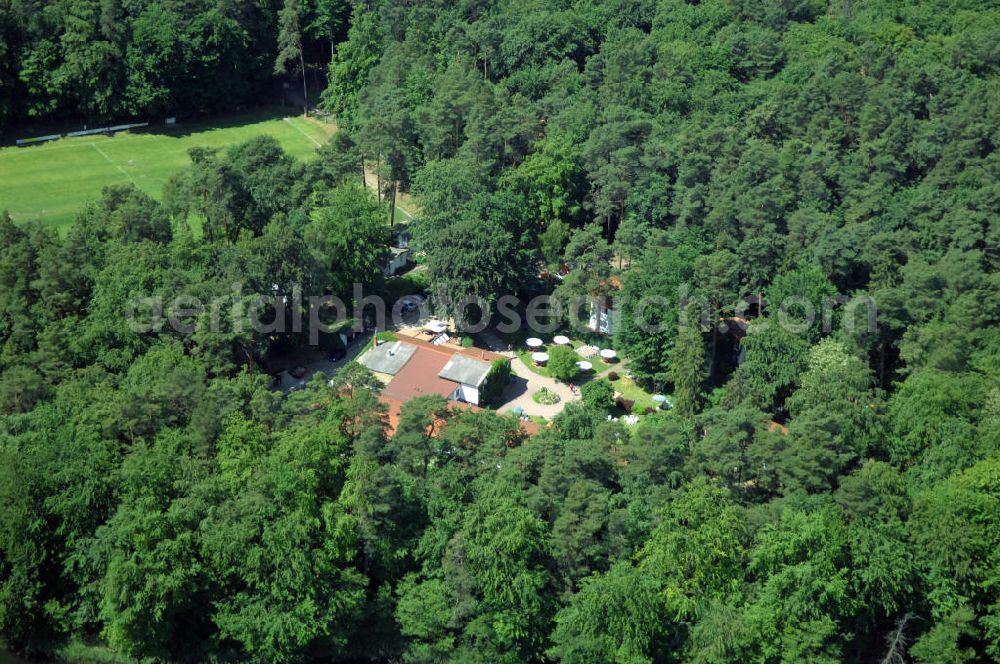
539, 358
436, 326
583, 365
560, 340
534, 342
608, 354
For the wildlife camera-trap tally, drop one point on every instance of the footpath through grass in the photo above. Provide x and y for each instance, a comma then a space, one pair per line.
53, 181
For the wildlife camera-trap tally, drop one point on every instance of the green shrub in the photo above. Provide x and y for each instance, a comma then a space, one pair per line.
496, 380
598, 394
545, 396
562, 363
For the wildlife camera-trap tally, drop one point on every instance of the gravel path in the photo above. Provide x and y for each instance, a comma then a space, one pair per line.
524, 382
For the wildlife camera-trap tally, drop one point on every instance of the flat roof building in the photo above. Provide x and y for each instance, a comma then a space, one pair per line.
415, 368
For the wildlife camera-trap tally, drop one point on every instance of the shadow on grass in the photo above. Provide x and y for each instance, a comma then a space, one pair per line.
195, 124
202, 123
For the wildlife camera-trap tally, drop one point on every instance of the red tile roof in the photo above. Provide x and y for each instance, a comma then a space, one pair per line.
419, 376
777, 426
452, 349
395, 406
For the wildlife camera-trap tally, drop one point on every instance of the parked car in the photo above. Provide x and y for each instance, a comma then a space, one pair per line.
298, 372
336, 355
409, 306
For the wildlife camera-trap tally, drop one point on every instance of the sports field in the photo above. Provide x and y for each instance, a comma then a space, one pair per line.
54, 180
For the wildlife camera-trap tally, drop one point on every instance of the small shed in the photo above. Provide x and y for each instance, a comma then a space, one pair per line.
469, 373
398, 258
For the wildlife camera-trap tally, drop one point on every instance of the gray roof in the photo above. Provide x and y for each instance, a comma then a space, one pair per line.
388, 357
465, 370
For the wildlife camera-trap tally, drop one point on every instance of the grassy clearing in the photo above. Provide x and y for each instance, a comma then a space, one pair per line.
525, 356
633, 392
53, 181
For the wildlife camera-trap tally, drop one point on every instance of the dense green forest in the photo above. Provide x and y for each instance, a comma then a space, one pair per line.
97, 60
832, 496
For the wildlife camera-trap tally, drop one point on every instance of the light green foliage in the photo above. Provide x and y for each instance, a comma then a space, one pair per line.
803, 297
696, 552
933, 415
955, 524
545, 396
648, 313
836, 501
804, 590
598, 395
281, 548
496, 382
350, 238
54, 181
562, 363
612, 619
942, 642
687, 366
775, 357
349, 67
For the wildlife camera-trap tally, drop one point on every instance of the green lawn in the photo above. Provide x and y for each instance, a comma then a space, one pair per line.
633, 392
525, 356
54, 180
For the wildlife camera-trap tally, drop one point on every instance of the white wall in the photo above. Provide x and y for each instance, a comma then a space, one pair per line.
468, 393
397, 263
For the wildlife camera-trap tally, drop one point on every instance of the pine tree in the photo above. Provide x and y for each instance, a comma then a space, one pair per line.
687, 365
290, 55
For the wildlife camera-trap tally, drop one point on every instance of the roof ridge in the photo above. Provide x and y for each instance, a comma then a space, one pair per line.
488, 355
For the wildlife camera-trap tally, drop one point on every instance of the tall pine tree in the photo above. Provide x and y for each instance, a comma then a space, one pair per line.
687, 365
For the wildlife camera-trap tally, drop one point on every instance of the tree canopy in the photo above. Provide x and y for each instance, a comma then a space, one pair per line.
743, 189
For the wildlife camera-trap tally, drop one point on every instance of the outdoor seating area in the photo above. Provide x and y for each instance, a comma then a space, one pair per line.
435, 327
608, 355
535, 351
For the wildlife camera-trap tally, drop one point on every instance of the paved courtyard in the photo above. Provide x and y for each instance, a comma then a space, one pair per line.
523, 383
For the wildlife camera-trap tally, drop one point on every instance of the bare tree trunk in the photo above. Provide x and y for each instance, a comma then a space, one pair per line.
881, 365
364, 179
378, 177
392, 208
896, 642
305, 90
715, 342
